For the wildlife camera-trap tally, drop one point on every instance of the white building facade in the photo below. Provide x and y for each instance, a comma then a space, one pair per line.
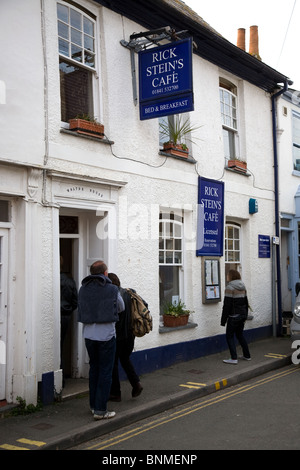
120, 198
288, 132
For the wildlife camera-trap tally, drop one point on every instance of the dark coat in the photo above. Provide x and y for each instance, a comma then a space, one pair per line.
97, 300
68, 294
235, 302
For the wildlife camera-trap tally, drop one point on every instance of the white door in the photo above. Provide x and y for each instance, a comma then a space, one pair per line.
3, 308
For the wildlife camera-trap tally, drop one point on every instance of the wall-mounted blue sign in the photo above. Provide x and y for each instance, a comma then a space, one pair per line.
210, 226
264, 246
166, 80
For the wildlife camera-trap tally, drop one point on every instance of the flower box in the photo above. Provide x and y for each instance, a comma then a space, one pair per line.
91, 128
178, 150
237, 165
171, 321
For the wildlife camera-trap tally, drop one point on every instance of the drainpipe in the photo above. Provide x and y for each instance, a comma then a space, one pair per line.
277, 228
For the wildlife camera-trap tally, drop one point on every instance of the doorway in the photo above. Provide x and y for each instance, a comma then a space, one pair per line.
83, 240
66, 249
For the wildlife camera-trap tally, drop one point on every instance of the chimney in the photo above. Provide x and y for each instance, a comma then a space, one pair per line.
241, 38
253, 43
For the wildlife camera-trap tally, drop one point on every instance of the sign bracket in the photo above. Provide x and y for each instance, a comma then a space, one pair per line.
143, 40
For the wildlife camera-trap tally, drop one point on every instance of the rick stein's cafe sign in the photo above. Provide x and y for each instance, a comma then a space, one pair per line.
165, 80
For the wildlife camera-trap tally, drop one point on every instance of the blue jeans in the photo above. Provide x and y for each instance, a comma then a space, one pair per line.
236, 328
102, 356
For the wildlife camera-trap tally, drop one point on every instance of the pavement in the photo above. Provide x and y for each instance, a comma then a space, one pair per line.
68, 423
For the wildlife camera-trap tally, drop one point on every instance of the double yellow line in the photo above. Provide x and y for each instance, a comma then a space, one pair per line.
190, 409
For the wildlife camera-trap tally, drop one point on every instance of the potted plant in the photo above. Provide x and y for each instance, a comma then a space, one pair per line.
175, 133
175, 314
238, 165
84, 124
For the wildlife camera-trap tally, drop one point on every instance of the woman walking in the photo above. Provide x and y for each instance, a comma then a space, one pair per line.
234, 315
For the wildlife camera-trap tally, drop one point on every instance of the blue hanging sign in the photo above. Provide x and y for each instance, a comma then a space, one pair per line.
166, 80
210, 226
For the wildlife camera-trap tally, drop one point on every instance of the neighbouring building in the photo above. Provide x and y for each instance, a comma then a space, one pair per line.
288, 145
123, 198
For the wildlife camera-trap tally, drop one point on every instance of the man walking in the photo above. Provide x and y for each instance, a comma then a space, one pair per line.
99, 303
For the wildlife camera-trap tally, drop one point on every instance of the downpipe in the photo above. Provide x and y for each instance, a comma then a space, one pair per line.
276, 187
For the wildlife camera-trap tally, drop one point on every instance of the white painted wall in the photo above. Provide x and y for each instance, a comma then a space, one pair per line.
147, 182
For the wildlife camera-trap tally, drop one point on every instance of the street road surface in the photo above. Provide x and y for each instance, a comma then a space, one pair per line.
261, 414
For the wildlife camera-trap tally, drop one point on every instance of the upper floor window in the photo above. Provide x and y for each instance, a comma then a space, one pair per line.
228, 102
77, 61
175, 128
296, 140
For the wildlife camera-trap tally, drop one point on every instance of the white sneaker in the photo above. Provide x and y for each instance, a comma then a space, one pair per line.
246, 358
106, 415
230, 361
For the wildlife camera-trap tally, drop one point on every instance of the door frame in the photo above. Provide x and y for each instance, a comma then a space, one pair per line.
97, 218
3, 309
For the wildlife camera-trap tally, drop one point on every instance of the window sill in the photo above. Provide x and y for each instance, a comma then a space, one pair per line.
83, 136
188, 159
236, 170
165, 329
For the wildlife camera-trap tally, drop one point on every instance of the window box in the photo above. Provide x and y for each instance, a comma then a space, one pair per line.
180, 150
175, 314
237, 165
92, 128
172, 322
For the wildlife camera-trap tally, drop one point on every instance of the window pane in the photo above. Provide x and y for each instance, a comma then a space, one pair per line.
89, 59
177, 229
228, 108
177, 244
88, 43
63, 13
160, 229
169, 244
76, 53
68, 224
232, 245
63, 30
75, 91
76, 19
4, 211
76, 36
63, 47
88, 26
168, 284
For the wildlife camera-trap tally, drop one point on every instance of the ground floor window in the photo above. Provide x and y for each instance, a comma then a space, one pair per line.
170, 257
232, 247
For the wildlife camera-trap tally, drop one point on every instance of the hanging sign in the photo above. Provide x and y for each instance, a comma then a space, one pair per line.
210, 225
166, 80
